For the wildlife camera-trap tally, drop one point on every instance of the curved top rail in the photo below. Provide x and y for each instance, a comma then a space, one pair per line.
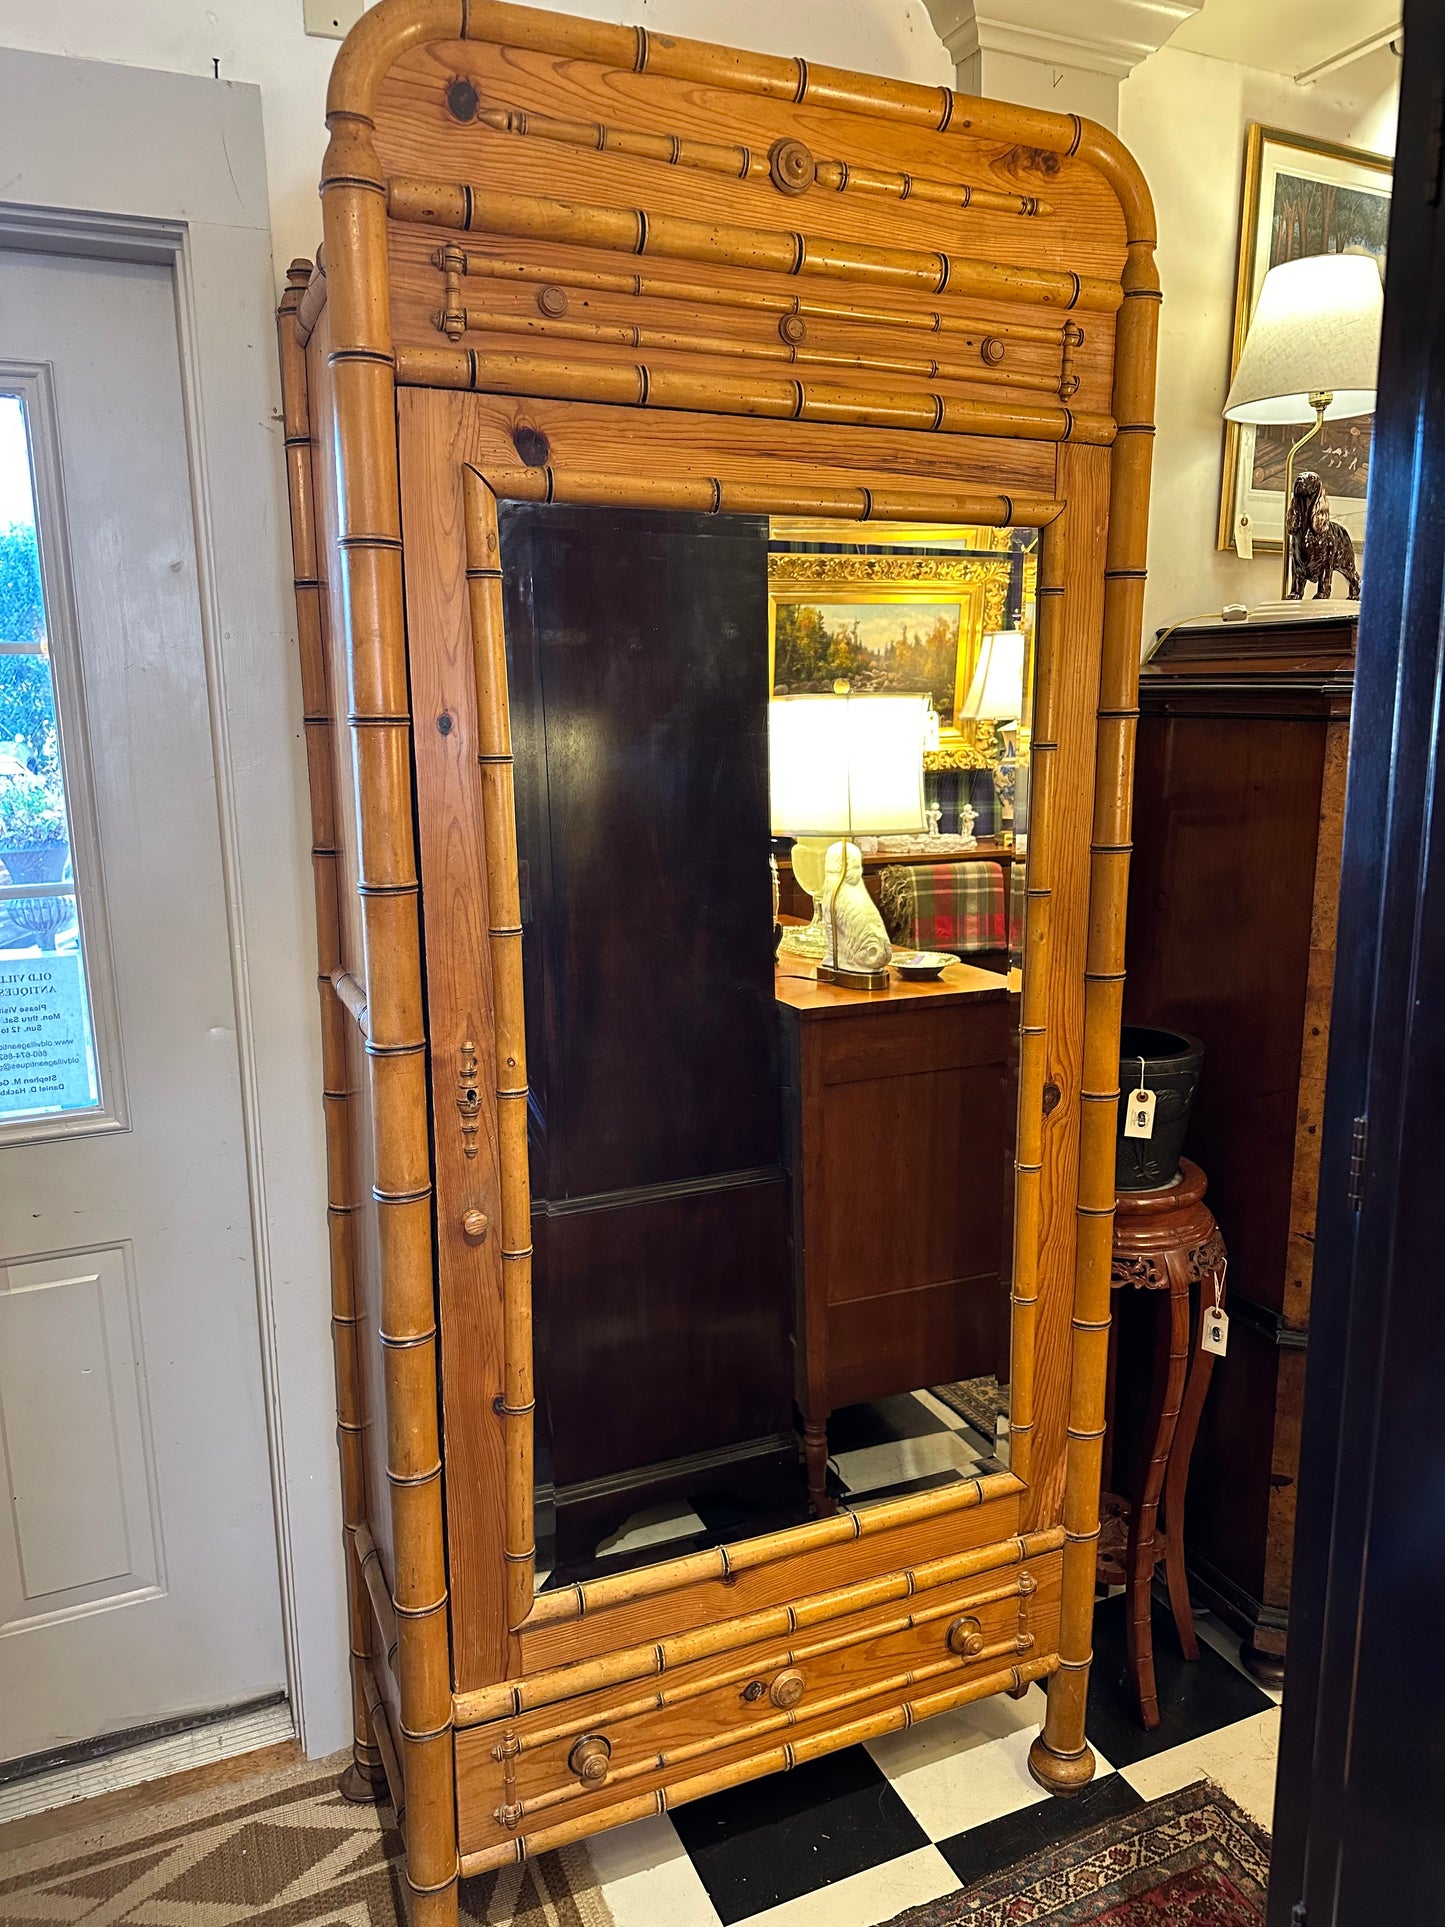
392, 27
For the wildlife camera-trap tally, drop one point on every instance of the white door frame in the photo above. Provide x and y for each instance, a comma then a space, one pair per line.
123, 161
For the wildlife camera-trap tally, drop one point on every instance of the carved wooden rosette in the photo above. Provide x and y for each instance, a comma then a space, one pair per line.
570, 261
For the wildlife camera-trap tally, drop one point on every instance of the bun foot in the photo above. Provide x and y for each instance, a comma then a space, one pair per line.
357, 1785
1061, 1774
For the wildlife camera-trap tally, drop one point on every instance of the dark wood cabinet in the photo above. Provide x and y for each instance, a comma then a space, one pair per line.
639, 698
900, 1151
1238, 811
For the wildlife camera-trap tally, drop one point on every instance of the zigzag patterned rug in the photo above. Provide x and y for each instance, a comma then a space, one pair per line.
1192, 1859
284, 1850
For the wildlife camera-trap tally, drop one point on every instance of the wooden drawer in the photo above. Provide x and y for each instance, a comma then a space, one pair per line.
633, 1749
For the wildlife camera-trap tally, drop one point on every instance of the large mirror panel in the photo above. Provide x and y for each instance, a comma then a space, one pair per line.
772, 799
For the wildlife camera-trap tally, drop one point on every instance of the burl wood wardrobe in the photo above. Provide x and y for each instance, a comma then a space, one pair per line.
569, 262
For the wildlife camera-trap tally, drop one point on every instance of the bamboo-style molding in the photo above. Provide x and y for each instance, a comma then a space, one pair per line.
840, 1702
780, 1759
879, 498
1061, 1758
341, 1202
788, 164
634, 385
655, 1658
313, 296
504, 944
591, 1596
471, 208
795, 354
657, 287
352, 995
665, 1699
369, 561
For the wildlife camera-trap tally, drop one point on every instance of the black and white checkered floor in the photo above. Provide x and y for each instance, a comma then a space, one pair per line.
852, 1840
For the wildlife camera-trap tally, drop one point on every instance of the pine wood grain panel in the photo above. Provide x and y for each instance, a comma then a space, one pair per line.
1068, 684
459, 1012
418, 292
714, 1710
850, 1562
590, 436
416, 125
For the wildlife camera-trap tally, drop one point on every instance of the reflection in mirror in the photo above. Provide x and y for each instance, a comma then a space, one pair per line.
772, 1109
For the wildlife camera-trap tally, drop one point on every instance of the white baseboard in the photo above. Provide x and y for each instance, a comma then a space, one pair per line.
152, 1760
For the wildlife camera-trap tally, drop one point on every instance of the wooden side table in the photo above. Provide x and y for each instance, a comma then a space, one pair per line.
1165, 1242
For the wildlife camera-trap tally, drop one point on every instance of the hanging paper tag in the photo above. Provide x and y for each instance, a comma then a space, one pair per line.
1139, 1117
1215, 1335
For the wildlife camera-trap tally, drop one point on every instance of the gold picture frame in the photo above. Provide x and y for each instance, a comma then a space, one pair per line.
1300, 197
973, 589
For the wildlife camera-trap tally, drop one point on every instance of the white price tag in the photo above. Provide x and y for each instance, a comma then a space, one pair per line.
1215, 1335
1139, 1116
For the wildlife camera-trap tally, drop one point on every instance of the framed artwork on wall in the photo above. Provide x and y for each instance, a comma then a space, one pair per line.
1301, 197
910, 623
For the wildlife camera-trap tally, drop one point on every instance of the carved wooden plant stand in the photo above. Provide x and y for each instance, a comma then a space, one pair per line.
1167, 1242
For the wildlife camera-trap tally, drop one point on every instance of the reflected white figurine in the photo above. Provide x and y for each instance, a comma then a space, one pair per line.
856, 939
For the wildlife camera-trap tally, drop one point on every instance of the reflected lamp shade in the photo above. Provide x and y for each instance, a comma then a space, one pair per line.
847, 765
997, 689
1315, 330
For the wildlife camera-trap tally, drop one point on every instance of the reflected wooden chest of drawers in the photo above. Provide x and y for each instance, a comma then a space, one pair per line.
898, 1142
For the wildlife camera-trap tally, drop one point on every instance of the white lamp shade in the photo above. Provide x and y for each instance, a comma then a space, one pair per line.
845, 765
997, 688
1315, 329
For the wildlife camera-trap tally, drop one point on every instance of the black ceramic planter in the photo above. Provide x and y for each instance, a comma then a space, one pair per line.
1171, 1070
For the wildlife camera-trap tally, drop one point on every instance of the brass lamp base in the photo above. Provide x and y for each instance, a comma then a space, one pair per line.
853, 979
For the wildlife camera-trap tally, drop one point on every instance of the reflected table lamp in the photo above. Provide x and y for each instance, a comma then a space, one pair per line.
841, 766
1311, 352
996, 694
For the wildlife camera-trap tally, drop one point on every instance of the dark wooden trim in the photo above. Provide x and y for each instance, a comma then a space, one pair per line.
1360, 1770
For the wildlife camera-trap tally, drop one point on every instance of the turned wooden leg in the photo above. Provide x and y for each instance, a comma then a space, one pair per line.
362, 1784
1165, 1400
1176, 1483
815, 1456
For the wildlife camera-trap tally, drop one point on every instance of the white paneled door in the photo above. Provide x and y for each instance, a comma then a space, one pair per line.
138, 1566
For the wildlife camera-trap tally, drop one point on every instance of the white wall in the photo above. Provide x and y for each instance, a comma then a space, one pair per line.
263, 41
1184, 117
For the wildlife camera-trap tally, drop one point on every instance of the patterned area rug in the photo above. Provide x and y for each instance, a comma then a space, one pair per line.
1192, 1859
979, 1401
283, 1850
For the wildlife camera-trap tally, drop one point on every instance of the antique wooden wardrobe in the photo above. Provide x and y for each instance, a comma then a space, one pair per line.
572, 263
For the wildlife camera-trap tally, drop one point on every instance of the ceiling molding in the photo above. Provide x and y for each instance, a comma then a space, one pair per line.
1104, 37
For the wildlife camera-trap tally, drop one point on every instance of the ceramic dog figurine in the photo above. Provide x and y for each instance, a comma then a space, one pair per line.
1317, 545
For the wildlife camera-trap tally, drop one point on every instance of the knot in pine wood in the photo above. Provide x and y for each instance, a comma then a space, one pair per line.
462, 99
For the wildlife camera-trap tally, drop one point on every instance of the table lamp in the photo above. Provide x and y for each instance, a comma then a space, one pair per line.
844, 765
1312, 349
996, 694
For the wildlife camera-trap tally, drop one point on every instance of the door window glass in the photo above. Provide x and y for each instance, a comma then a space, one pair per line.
48, 1060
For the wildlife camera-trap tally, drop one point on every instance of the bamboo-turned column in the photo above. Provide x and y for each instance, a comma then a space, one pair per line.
1061, 1758
369, 542
1033, 1106
504, 942
365, 1772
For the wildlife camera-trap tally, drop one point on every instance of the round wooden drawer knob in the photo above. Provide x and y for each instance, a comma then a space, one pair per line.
475, 1225
965, 1637
589, 1759
786, 1690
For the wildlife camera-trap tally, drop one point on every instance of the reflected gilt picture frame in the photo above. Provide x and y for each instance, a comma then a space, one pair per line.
916, 623
1300, 197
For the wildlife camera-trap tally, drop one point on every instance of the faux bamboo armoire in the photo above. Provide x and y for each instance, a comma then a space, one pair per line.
568, 262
